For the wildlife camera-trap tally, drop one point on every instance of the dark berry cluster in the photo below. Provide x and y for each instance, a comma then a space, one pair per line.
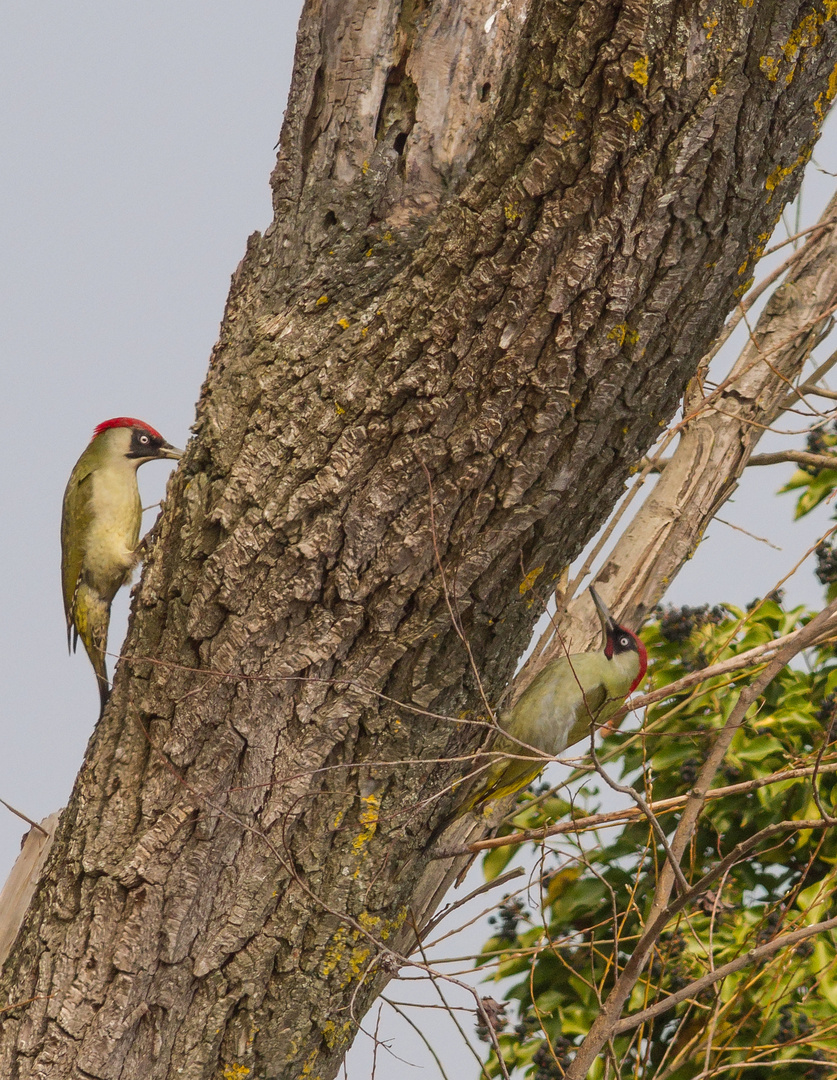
804, 949
552, 1063
510, 912
525, 1027
814, 1072
820, 441
826, 563
816, 443
665, 968
826, 712
770, 926
678, 624
696, 662
731, 773
792, 1025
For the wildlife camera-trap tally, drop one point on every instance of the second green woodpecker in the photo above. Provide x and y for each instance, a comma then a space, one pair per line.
100, 526
566, 699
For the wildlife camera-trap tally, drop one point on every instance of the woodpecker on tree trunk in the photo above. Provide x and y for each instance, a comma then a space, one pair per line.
100, 525
569, 696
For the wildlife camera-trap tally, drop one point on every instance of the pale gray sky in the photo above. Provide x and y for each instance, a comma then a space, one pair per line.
137, 144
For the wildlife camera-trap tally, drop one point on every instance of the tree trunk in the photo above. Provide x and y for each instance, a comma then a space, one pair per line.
503, 238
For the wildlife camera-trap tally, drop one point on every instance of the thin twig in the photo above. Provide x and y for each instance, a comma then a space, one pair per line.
492, 1033
23, 817
779, 1063
645, 810
757, 655
752, 956
603, 1026
799, 235
504, 879
616, 517
375, 1041
801, 457
27, 1001
747, 302
735, 375
418, 1032
780, 457
632, 813
809, 385
815, 787
752, 535
454, 615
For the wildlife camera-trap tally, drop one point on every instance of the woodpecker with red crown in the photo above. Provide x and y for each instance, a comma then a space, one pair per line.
561, 704
100, 525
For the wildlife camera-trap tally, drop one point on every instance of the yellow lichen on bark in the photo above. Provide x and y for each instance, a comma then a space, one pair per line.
369, 821
530, 579
235, 1072
623, 334
783, 171
639, 72
828, 95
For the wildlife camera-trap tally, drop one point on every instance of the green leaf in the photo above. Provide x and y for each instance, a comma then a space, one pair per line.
560, 882
757, 749
599, 886
818, 488
496, 860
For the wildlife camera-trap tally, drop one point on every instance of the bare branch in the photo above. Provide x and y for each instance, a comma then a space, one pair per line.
780, 457
487, 886
752, 535
752, 956
820, 391
605, 1022
633, 813
797, 236
393, 1005
801, 457
809, 386
23, 817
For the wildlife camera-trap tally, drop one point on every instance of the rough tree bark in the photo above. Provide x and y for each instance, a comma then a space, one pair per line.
717, 441
503, 238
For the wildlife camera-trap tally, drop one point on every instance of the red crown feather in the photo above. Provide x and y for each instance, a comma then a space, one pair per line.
126, 421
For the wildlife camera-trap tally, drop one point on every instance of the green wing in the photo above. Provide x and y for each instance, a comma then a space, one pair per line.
555, 693
587, 713
76, 516
504, 776
515, 772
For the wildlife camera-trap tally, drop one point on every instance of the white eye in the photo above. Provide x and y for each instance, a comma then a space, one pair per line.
624, 642
143, 438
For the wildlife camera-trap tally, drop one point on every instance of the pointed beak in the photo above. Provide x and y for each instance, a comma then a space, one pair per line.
606, 619
169, 451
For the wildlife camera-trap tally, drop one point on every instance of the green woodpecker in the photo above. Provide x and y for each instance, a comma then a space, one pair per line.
561, 703
100, 525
